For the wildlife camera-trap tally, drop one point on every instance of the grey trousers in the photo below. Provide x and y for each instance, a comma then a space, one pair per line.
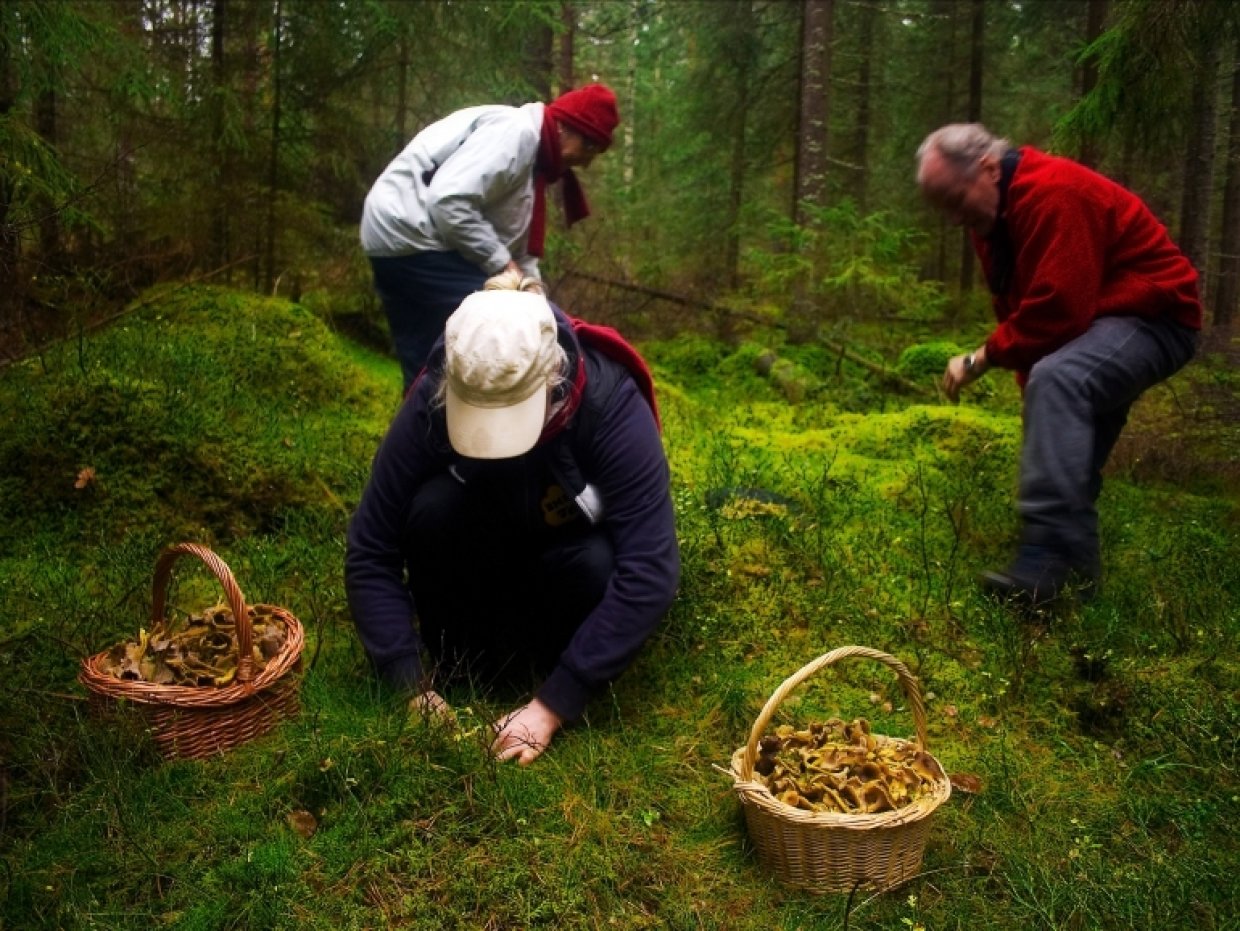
1076, 403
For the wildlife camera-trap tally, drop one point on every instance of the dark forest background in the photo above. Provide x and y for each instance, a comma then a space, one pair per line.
765, 157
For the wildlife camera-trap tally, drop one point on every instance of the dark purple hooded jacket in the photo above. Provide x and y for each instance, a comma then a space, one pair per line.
625, 462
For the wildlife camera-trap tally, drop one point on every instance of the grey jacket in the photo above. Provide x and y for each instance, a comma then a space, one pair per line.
464, 184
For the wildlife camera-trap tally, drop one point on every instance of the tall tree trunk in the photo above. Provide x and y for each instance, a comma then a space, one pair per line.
1227, 284
9, 243
564, 69
861, 134
630, 118
218, 248
273, 160
240, 194
810, 186
1095, 19
131, 15
736, 198
1199, 157
743, 20
402, 87
944, 12
539, 58
45, 125
560, 60
977, 49
812, 131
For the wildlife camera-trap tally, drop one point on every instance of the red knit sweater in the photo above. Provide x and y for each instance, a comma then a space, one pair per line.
1084, 247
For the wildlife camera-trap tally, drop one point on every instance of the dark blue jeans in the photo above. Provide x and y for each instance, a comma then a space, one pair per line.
419, 292
1076, 403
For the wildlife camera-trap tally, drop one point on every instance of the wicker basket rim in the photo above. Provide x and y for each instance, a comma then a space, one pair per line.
757, 794
93, 676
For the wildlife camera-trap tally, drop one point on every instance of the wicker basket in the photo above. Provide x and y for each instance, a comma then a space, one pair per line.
828, 851
191, 722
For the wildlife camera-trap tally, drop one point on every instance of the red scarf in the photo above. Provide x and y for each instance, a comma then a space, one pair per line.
548, 169
576, 391
611, 344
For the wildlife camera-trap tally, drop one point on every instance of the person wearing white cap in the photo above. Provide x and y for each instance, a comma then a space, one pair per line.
517, 518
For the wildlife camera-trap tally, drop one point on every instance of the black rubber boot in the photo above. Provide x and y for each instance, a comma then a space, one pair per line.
1038, 576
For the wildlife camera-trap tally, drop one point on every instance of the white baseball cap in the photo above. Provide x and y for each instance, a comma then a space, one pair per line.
500, 350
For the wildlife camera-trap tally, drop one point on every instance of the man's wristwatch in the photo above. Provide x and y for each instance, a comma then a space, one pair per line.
970, 363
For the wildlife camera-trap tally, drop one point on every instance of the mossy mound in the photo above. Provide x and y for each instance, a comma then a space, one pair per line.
207, 414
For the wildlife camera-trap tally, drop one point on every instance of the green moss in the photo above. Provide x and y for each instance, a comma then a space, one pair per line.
926, 361
1103, 735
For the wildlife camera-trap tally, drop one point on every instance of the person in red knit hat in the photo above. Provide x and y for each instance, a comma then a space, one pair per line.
466, 200
1094, 304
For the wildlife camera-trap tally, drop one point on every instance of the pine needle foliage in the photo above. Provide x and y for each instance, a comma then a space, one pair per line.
1145, 73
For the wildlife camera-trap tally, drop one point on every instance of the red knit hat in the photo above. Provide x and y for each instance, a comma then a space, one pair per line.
590, 110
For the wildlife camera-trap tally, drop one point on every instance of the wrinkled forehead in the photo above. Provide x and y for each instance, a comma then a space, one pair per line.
942, 182
938, 173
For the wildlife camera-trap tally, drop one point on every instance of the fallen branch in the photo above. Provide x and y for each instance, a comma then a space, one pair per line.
677, 298
790, 378
887, 375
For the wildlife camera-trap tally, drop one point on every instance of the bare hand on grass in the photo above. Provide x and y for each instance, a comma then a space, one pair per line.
525, 733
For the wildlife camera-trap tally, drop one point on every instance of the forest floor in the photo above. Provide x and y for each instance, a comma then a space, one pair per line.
1097, 744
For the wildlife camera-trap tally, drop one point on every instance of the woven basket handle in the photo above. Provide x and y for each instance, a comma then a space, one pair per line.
764, 717
236, 600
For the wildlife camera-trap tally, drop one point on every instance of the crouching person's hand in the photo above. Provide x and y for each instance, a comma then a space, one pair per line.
431, 706
525, 733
